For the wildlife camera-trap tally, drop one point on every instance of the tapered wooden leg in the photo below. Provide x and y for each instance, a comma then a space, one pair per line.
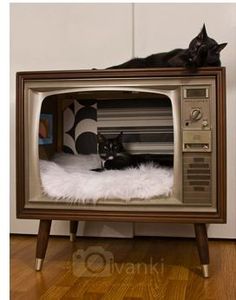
203, 249
42, 243
73, 230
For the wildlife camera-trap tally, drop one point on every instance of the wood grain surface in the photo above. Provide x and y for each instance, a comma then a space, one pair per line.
139, 268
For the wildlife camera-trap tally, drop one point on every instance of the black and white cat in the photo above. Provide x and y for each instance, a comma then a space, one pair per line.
115, 157
203, 51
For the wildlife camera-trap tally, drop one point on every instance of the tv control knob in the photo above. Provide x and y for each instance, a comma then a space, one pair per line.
196, 114
205, 123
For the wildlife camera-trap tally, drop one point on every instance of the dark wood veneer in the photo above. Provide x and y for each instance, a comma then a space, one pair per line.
180, 217
42, 240
202, 243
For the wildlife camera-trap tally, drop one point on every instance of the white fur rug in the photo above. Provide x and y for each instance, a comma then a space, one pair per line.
69, 177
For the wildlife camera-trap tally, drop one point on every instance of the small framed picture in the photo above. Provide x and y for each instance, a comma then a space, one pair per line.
45, 129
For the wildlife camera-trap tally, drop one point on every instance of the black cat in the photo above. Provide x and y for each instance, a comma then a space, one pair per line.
115, 156
203, 51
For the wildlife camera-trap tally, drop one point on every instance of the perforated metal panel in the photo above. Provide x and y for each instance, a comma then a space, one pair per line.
197, 178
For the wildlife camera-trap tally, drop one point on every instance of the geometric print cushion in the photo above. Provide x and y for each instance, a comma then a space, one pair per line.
80, 127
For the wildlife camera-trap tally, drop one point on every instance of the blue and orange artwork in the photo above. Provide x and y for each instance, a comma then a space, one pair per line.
45, 129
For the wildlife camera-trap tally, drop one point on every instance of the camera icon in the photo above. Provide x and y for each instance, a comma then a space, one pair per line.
92, 262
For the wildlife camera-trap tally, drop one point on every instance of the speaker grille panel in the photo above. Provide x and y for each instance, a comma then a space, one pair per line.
197, 178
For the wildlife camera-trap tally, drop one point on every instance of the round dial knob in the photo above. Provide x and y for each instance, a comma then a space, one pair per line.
196, 114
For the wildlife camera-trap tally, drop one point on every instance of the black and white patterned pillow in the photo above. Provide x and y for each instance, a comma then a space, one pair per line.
80, 127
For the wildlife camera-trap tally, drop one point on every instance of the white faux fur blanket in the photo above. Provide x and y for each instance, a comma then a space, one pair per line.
69, 177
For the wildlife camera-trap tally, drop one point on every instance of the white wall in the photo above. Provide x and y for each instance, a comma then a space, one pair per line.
76, 36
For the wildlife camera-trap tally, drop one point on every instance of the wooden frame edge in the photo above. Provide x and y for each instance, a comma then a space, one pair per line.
22, 212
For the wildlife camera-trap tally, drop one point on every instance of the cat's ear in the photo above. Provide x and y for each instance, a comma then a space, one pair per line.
119, 137
203, 34
220, 47
100, 138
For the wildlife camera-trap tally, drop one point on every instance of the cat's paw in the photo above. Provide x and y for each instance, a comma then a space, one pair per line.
109, 164
189, 63
203, 50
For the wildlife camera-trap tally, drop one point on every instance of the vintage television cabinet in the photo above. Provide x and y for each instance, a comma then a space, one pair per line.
195, 119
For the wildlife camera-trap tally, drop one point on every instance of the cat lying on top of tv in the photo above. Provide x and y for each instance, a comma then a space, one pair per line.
203, 51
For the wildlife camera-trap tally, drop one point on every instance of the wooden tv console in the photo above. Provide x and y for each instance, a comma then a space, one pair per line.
29, 83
